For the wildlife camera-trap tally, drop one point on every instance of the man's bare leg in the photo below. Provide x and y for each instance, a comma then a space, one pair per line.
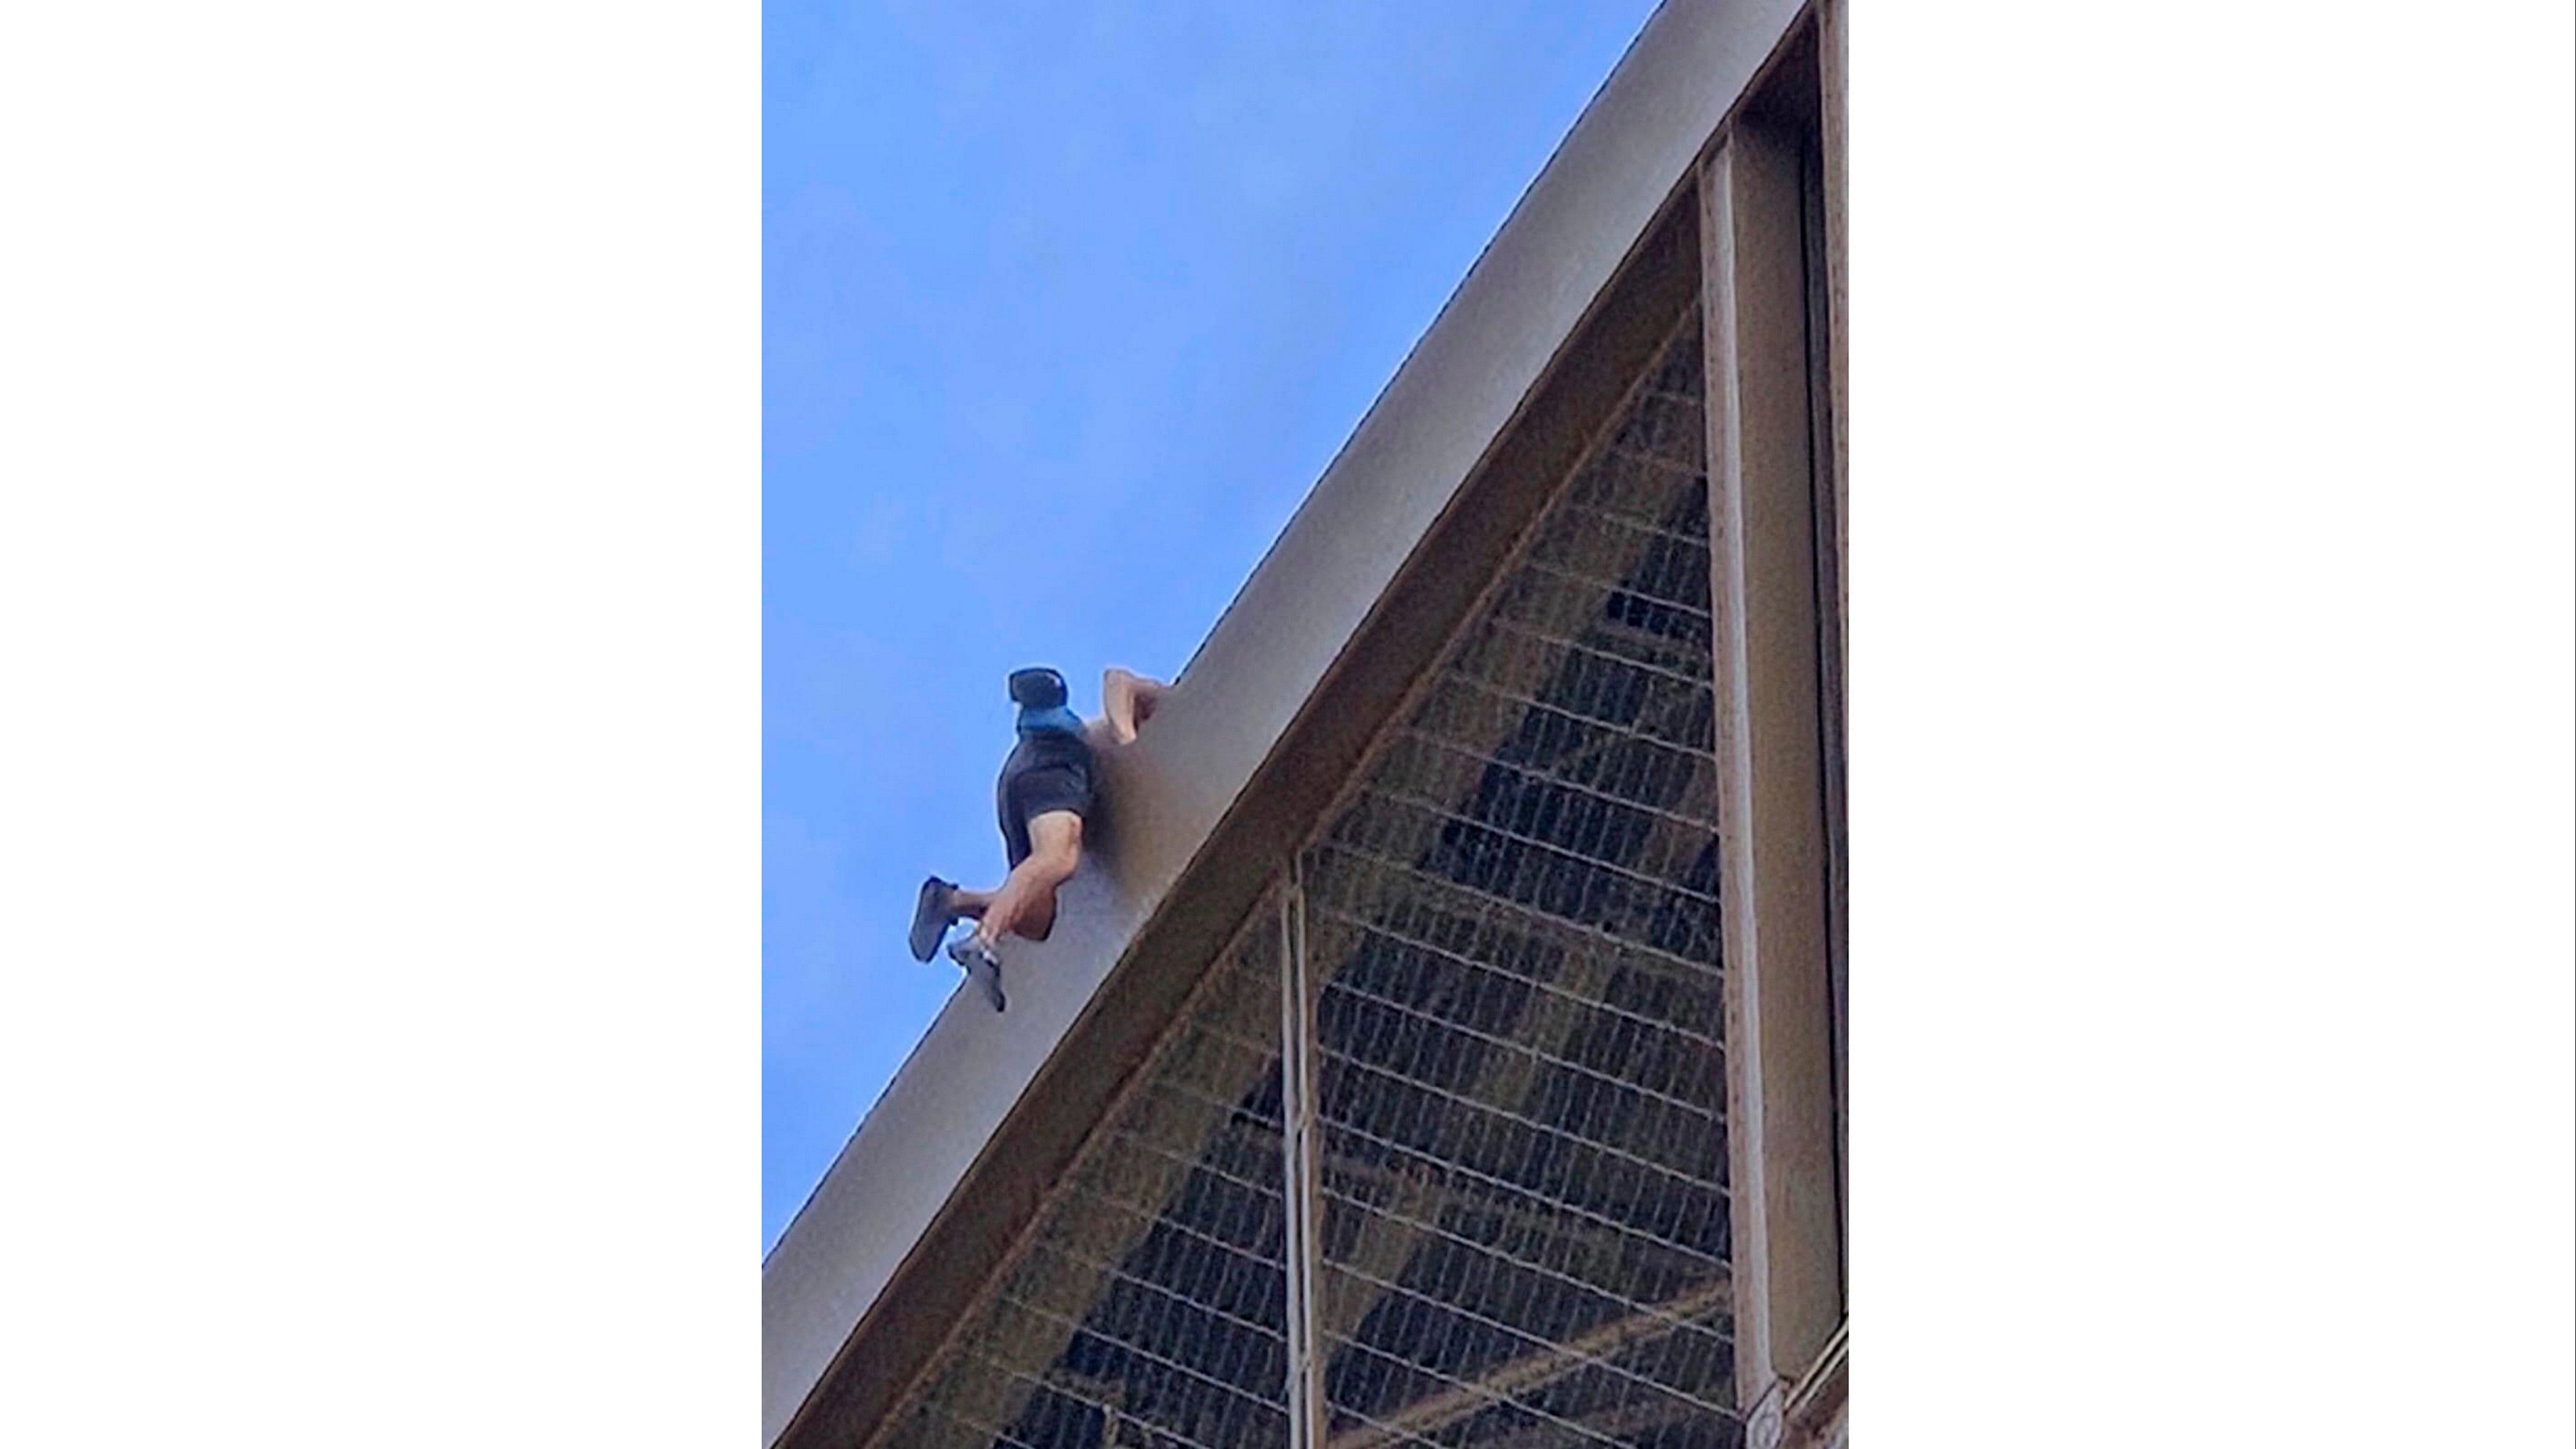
1025, 905
966, 905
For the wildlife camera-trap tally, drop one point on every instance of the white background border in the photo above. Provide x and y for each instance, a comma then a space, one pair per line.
380, 557
2211, 731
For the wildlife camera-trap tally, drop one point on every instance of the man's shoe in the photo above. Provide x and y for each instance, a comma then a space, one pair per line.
981, 965
931, 917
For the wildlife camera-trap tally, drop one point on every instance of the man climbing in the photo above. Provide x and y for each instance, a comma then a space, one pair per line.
1044, 795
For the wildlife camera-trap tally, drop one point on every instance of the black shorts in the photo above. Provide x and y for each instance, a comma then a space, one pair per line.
1046, 772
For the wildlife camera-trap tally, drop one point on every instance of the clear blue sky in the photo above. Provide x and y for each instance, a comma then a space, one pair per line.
1064, 308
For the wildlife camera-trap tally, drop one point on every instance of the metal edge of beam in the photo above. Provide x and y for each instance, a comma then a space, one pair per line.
941, 1175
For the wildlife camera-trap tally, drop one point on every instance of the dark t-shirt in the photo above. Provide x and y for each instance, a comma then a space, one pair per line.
1048, 770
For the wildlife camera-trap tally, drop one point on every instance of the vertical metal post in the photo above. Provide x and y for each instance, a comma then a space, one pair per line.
1774, 840
1301, 1178
1748, 1240
1833, 62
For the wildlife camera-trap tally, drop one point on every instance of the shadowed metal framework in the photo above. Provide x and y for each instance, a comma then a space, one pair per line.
1146, 1308
1489, 1186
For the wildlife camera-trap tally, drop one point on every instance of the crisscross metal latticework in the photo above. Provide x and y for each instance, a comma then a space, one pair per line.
1513, 921
1146, 1307
1508, 927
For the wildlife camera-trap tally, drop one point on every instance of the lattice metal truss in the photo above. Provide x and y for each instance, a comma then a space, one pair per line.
1509, 924
1146, 1308
1513, 921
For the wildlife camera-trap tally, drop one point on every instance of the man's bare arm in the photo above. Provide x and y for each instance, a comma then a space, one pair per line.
1128, 700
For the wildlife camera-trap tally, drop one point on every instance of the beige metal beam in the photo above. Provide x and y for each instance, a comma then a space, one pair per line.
1772, 825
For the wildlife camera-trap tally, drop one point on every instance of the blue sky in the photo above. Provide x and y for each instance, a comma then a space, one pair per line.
1064, 308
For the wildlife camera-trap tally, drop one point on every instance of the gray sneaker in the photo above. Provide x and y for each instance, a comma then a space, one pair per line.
981, 965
